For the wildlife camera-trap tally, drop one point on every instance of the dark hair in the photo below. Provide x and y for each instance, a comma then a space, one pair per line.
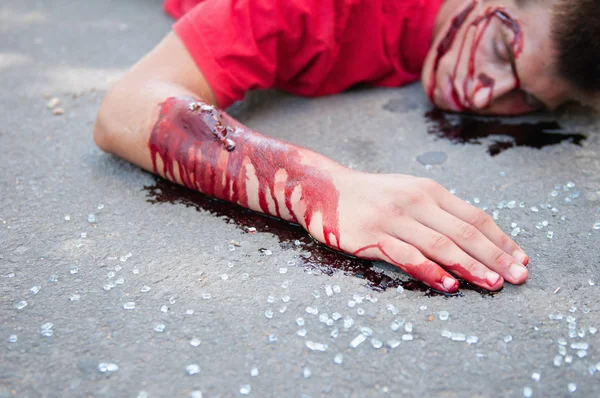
576, 38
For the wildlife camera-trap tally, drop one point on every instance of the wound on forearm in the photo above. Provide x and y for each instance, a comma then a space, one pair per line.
203, 148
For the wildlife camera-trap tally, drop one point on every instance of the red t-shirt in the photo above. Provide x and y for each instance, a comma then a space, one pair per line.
306, 47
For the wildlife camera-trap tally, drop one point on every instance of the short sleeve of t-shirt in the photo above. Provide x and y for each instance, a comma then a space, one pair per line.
306, 47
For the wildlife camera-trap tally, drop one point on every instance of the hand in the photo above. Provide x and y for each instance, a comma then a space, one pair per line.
417, 225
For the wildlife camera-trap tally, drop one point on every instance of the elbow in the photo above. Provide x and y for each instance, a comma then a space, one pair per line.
102, 132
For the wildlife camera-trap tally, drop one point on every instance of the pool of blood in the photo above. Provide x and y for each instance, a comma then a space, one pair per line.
312, 254
503, 133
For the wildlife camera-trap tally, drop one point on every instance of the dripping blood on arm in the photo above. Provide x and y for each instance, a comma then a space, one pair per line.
197, 145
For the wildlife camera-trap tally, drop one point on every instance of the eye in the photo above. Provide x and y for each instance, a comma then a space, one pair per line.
500, 49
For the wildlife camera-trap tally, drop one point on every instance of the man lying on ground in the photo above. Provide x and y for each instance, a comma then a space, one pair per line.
480, 56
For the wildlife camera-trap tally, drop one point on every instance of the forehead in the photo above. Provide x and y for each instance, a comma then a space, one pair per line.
535, 66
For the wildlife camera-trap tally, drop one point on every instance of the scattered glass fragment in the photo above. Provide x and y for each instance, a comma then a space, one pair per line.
192, 369
513, 225
300, 321
74, 269
21, 304
554, 194
159, 328
334, 333
527, 392
400, 289
508, 338
104, 367
111, 274
285, 299
311, 345
328, 291
360, 311
270, 299
206, 296
515, 231
129, 306
585, 309
194, 394
596, 226
83, 235
272, 338
536, 376
391, 308
46, 329
443, 315
393, 343
446, 333
195, 342
336, 316
558, 360
336, 289
135, 270
572, 387
550, 234
12, 338
376, 343
358, 340
476, 200
91, 218
573, 309
472, 340
245, 389
53, 278
254, 372
306, 373
495, 214
283, 270
231, 248
366, 331
164, 308
107, 286
145, 289
67, 218
75, 297
120, 281
593, 330
395, 326
338, 359
423, 307
100, 206
224, 277
348, 322
568, 358
555, 317
581, 353
407, 337
408, 327
458, 337
562, 350
579, 346
511, 204
311, 310
323, 318
269, 314
301, 332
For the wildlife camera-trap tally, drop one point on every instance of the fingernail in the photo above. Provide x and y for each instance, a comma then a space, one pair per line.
517, 271
449, 284
492, 278
520, 257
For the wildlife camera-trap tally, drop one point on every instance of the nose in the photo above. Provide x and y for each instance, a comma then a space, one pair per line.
493, 86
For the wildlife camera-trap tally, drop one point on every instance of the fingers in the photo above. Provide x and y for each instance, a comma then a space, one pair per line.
475, 246
484, 223
441, 249
411, 261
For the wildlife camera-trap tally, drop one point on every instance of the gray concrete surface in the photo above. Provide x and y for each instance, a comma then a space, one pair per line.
51, 169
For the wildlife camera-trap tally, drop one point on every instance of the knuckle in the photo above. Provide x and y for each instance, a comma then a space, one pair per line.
468, 232
440, 243
470, 265
480, 219
499, 258
416, 197
429, 184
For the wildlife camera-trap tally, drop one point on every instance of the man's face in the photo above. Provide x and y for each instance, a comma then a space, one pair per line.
493, 57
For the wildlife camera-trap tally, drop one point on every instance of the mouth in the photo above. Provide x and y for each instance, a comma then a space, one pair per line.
450, 98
